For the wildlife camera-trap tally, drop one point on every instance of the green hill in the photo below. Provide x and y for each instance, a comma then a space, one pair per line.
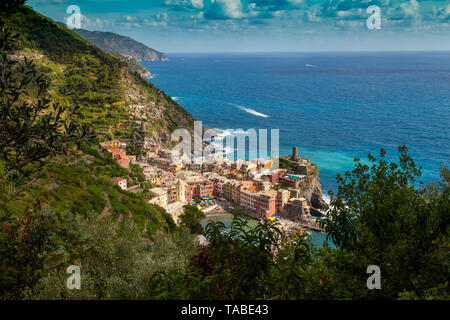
108, 94
101, 84
124, 48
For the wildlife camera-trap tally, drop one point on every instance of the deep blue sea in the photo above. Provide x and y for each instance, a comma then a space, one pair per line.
334, 106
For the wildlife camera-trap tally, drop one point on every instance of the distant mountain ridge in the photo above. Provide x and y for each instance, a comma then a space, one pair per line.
126, 46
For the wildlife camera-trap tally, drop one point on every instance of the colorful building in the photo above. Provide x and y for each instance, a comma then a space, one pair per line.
263, 203
161, 197
121, 182
219, 183
276, 175
266, 203
200, 186
282, 199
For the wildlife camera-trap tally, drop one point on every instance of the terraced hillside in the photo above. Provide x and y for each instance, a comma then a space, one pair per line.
116, 101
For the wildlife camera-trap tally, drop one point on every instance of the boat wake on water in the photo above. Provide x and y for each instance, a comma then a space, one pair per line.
251, 111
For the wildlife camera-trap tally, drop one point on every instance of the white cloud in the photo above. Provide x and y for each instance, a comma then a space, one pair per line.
185, 4
197, 4
295, 2
130, 18
313, 15
96, 24
410, 8
227, 9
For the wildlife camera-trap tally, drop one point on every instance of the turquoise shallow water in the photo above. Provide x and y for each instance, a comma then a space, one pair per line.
334, 106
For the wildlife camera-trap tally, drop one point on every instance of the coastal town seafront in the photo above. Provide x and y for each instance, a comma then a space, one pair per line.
290, 194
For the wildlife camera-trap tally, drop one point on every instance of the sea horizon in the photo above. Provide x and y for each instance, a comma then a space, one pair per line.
305, 51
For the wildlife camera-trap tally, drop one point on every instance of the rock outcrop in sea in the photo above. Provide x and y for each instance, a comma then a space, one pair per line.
308, 188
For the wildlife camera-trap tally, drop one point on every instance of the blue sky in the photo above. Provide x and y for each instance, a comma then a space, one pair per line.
265, 25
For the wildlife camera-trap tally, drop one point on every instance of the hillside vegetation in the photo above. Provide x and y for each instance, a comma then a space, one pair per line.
59, 206
124, 48
102, 85
60, 97
105, 91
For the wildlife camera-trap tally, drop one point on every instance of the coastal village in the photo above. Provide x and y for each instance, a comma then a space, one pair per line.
262, 191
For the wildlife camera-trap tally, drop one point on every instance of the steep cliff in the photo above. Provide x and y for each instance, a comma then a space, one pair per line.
310, 188
312, 191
